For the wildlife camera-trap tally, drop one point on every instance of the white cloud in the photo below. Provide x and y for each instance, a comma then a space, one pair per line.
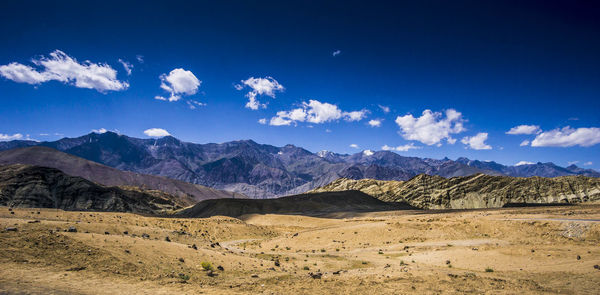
524, 163
7, 137
588, 163
432, 127
262, 121
100, 131
156, 132
354, 146
524, 143
385, 109
401, 148
355, 115
328, 130
477, 142
260, 86
140, 58
337, 52
368, 153
375, 122
63, 68
567, 137
193, 104
127, 66
524, 129
178, 82
316, 112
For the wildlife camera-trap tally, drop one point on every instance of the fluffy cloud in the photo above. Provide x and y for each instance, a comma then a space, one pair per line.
63, 68
477, 142
354, 146
524, 129
588, 163
337, 52
355, 115
432, 127
7, 137
178, 82
259, 86
375, 122
140, 58
401, 148
315, 112
262, 121
156, 132
524, 163
368, 153
127, 66
567, 137
524, 143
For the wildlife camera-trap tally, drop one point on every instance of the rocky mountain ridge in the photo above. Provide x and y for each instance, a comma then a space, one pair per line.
42, 187
265, 171
475, 191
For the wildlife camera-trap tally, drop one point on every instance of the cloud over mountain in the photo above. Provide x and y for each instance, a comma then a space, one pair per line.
431, 127
259, 86
567, 137
178, 82
315, 112
477, 142
63, 68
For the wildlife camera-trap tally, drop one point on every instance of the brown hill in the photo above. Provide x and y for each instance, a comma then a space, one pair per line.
43, 187
75, 166
476, 191
305, 204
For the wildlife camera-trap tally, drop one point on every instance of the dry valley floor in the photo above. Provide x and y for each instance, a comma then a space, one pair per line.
542, 250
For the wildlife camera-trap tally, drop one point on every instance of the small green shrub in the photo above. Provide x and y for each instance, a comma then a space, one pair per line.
306, 268
207, 265
489, 269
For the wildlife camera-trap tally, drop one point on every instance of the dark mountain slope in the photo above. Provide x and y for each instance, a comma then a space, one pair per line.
306, 204
75, 166
43, 187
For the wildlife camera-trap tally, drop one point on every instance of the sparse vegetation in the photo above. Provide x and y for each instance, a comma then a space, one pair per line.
206, 265
489, 269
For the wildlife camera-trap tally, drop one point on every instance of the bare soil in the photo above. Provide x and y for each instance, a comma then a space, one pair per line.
545, 250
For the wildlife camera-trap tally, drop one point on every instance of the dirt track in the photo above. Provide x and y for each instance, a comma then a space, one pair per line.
525, 250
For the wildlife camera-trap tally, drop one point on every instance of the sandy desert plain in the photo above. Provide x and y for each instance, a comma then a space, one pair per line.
534, 250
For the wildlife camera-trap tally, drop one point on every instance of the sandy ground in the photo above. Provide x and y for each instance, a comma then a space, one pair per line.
503, 251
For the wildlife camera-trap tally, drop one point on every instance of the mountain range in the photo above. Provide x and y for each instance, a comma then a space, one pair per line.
266, 171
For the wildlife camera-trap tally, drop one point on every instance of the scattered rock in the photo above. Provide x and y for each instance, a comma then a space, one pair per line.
210, 273
447, 261
145, 236
277, 263
316, 275
125, 232
337, 272
33, 221
78, 268
578, 257
254, 276
597, 266
194, 247
106, 233
72, 229
11, 229
167, 239
220, 268
181, 260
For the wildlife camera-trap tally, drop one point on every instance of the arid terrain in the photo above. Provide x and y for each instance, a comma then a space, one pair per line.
535, 250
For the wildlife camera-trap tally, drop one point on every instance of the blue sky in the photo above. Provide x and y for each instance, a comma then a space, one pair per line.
500, 64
